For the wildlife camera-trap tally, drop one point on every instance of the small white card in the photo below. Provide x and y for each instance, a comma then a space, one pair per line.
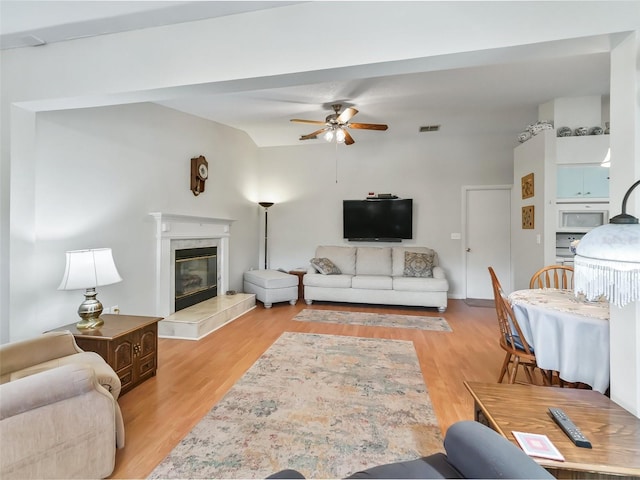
536, 445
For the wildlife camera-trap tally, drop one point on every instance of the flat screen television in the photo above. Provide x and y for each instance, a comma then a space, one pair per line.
380, 220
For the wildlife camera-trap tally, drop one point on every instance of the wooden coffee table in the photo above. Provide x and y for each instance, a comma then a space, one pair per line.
613, 431
128, 343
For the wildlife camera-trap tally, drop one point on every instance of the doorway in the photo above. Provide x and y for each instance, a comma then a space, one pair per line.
487, 239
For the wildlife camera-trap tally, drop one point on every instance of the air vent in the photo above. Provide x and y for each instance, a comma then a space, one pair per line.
429, 128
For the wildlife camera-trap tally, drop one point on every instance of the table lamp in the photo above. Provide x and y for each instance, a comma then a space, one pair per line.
88, 269
607, 261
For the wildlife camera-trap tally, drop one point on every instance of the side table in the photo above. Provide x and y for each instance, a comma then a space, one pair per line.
299, 274
128, 343
613, 432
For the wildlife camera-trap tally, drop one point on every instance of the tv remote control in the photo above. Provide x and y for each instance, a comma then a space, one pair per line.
569, 428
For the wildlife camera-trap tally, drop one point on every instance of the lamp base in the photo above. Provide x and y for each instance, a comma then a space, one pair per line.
90, 311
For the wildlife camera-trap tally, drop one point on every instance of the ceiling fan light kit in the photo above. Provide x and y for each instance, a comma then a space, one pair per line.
336, 125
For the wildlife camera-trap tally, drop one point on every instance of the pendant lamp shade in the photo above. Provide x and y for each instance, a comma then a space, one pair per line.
607, 261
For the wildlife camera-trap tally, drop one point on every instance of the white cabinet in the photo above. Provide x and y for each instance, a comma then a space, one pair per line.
582, 182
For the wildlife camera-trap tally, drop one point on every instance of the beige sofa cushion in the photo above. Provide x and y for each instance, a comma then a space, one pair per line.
397, 258
418, 284
373, 261
372, 282
343, 257
329, 281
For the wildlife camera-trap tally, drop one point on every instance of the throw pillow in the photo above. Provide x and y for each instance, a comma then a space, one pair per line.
418, 264
325, 266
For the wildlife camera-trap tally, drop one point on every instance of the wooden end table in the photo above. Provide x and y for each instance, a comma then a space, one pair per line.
128, 343
299, 273
613, 432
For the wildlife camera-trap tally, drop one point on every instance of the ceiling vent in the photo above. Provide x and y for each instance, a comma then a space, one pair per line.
429, 128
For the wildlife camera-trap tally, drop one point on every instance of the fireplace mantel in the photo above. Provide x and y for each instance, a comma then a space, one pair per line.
186, 231
164, 220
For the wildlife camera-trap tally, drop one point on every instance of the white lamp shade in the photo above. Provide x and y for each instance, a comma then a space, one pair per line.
89, 269
607, 262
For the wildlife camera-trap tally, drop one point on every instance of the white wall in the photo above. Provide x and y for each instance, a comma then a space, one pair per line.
99, 172
625, 169
308, 183
527, 254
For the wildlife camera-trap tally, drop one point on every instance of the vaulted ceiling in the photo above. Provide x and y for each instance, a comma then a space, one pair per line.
405, 96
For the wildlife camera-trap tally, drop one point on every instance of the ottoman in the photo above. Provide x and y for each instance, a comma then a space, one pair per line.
271, 286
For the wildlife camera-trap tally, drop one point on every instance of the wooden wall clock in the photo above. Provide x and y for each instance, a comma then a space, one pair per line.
199, 174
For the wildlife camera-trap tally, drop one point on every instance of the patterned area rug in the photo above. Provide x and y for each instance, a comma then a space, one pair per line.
420, 322
325, 405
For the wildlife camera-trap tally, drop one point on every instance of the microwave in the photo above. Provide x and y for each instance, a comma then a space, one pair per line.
582, 217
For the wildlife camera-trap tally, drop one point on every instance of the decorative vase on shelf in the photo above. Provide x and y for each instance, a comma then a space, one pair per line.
596, 130
539, 126
524, 136
581, 131
565, 132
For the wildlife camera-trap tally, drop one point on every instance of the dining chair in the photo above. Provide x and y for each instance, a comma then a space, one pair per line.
553, 276
518, 352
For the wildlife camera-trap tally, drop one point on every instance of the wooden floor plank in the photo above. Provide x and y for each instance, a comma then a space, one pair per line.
193, 376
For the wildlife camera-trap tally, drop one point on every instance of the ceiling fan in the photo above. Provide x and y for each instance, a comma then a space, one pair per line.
336, 125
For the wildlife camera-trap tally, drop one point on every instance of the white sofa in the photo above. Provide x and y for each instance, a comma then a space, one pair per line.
376, 275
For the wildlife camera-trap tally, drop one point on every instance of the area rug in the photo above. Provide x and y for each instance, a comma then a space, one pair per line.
420, 322
325, 405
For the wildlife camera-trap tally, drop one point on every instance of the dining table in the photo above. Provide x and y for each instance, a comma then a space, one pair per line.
569, 334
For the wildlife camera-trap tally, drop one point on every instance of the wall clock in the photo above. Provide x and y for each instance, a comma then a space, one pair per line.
199, 174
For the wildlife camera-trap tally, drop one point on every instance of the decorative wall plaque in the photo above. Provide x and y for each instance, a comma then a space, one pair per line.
528, 217
527, 186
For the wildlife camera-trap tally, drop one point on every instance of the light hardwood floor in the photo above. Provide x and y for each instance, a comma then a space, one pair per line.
194, 375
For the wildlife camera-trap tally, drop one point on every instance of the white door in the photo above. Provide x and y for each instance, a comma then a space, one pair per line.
488, 239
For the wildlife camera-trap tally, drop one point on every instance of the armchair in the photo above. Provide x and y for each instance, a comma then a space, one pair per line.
59, 423
59, 415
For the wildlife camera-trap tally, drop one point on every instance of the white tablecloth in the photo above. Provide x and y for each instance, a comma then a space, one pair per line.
569, 335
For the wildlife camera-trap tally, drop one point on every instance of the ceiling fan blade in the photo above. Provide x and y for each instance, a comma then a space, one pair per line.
312, 122
347, 115
311, 136
368, 126
348, 139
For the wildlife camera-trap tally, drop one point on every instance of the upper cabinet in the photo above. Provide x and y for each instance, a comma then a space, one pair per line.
582, 182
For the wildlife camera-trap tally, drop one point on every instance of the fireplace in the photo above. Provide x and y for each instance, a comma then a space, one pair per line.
196, 275
184, 232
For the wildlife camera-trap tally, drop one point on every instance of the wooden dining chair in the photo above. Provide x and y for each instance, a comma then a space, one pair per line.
553, 276
517, 351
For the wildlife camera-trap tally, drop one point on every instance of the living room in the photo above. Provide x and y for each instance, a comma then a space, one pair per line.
89, 151
138, 166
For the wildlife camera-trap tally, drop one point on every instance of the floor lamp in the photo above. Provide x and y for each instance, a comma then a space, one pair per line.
266, 206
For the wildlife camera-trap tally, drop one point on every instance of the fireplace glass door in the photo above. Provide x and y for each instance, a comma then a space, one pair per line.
196, 276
